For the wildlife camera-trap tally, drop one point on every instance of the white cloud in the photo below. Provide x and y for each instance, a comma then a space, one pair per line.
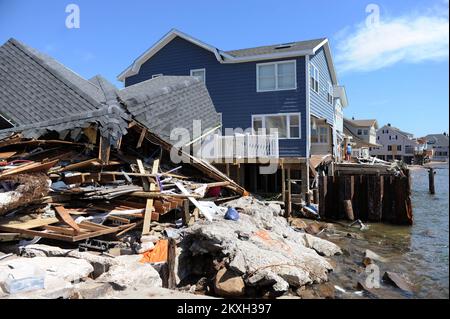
410, 38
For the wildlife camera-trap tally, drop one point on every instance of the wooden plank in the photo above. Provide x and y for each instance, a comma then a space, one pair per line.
79, 165
186, 214
29, 168
66, 218
63, 230
149, 204
145, 180
33, 223
6, 155
141, 138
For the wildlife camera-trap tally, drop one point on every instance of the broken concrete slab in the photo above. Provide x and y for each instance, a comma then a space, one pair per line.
55, 288
129, 272
66, 268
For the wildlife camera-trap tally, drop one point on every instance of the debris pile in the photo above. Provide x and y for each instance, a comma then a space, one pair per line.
259, 252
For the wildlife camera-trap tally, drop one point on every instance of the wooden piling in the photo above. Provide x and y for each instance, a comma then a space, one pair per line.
431, 174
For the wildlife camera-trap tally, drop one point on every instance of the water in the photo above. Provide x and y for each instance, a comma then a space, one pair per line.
419, 252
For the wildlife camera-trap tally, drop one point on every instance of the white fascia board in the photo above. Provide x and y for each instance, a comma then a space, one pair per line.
172, 34
326, 46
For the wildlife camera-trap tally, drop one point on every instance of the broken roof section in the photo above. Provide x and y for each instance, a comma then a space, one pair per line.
168, 102
38, 95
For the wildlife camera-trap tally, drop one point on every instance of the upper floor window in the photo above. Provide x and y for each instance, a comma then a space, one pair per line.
389, 147
199, 73
276, 76
365, 132
319, 135
359, 131
399, 147
330, 93
287, 124
314, 77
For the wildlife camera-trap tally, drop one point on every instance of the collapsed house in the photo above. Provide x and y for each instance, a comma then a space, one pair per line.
83, 163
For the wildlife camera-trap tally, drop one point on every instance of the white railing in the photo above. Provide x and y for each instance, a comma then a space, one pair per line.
241, 146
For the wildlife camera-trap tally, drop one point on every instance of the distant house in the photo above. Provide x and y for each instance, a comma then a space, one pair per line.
438, 145
362, 135
290, 88
395, 144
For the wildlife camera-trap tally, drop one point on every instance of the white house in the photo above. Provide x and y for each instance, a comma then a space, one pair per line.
395, 144
438, 145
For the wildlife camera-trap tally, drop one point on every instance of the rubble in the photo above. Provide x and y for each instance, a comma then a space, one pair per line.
271, 254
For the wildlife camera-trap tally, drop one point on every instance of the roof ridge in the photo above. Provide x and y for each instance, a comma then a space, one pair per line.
271, 45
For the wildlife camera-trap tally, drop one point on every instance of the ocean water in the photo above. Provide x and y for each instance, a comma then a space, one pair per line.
418, 252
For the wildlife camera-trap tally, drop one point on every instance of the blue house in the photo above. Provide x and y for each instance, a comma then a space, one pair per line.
287, 93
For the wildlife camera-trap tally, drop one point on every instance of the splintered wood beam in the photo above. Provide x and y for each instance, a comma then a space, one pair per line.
79, 165
141, 138
104, 150
66, 218
149, 204
145, 180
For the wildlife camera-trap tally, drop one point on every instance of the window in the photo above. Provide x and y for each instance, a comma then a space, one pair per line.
389, 137
330, 93
276, 76
365, 132
314, 77
396, 137
319, 135
287, 125
156, 75
359, 131
389, 147
378, 138
199, 73
399, 147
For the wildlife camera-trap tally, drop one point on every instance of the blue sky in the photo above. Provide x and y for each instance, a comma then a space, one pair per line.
396, 73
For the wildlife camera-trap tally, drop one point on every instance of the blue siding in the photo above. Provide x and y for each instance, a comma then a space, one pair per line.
232, 88
319, 104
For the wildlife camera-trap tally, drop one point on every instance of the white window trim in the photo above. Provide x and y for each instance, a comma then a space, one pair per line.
330, 86
197, 70
318, 135
276, 75
156, 75
318, 78
288, 123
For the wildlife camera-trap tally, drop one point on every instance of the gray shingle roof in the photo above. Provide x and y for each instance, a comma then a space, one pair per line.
438, 139
361, 123
277, 48
167, 102
38, 93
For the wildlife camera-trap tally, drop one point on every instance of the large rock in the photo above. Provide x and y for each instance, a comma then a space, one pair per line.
228, 284
398, 281
374, 256
129, 272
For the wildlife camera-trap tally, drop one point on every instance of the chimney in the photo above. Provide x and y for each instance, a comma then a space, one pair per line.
389, 124
353, 118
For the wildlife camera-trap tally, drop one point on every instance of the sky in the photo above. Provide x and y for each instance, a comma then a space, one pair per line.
392, 56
